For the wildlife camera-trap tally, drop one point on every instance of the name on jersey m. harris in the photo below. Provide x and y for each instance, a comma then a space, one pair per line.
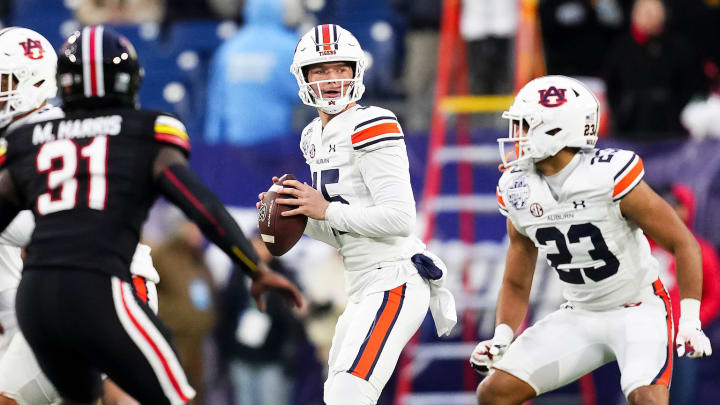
80, 128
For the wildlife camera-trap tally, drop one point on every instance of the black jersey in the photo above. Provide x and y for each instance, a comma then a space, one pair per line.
88, 179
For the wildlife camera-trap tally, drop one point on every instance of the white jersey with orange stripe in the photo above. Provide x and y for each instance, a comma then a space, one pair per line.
359, 163
603, 260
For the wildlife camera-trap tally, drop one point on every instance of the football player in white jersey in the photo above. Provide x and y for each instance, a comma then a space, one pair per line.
27, 81
586, 210
362, 204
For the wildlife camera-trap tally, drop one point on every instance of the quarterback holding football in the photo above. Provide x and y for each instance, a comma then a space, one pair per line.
361, 203
588, 211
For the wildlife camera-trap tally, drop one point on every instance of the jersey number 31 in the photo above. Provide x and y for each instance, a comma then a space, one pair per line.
62, 183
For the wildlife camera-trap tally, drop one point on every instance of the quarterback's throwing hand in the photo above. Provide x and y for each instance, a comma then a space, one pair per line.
261, 196
691, 340
309, 201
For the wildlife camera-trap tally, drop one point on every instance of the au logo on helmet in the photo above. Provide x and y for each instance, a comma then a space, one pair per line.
33, 49
557, 94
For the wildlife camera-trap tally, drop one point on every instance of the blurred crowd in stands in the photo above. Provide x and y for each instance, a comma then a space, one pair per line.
655, 62
223, 66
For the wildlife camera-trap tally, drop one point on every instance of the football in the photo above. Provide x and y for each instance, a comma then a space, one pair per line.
279, 233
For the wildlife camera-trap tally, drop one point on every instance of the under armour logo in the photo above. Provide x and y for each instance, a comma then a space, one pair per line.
33, 49
332, 149
579, 204
558, 94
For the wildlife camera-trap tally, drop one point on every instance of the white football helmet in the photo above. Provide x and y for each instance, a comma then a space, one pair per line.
329, 43
28, 59
548, 114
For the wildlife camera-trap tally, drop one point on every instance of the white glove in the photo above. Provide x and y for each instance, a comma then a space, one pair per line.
690, 338
487, 352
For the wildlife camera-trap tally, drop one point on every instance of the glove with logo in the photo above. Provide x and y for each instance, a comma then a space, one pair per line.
691, 340
487, 352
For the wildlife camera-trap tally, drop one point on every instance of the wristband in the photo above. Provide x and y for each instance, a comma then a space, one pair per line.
503, 333
690, 310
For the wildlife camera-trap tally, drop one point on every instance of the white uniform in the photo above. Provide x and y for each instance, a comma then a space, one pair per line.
359, 163
616, 308
20, 375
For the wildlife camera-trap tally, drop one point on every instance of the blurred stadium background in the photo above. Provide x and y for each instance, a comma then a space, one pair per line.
447, 68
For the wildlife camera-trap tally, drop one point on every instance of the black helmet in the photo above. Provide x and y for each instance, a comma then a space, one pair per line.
98, 68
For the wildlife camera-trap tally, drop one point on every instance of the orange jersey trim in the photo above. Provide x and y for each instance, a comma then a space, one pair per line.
376, 130
629, 178
375, 341
665, 374
174, 139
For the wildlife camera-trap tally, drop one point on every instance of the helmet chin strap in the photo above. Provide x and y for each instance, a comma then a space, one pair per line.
336, 109
339, 104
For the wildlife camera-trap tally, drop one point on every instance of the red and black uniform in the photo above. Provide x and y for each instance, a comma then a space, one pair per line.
89, 178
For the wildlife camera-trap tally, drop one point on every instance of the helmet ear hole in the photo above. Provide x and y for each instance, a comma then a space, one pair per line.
305, 70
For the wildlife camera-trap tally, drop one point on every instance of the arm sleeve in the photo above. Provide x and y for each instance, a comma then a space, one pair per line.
20, 230
387, 177
180, 186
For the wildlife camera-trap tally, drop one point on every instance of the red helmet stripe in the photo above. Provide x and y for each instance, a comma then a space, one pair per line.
86, 59
93, 62
326, 36
92, 54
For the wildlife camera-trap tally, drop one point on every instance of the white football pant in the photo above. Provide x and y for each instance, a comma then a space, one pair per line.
369, 337
571, 342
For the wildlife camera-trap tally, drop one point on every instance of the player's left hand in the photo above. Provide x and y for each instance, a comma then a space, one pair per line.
267, 279
309, 201
691, 340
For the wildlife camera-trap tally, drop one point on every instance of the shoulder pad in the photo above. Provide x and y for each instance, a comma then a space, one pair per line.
625, 167
501, 202
509, 176
512, 190
306, 137
171, 130
375, 128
